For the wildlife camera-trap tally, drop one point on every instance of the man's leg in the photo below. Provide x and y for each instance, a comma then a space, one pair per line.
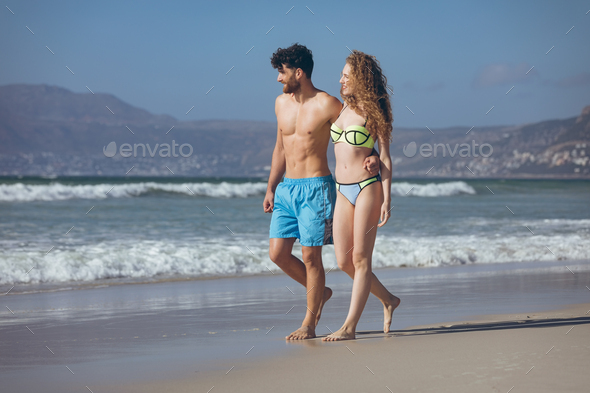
280, 253
316, 281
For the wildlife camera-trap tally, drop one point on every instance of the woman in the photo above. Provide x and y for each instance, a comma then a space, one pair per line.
361, 201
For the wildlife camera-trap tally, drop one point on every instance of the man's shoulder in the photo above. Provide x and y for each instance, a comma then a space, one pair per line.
327, 102
282, 98
280, 102
325, 98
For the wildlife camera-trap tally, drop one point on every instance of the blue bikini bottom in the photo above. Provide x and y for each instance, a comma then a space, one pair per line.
351, 191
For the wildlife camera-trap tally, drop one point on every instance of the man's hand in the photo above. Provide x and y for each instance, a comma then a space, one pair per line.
372, 164
269, 202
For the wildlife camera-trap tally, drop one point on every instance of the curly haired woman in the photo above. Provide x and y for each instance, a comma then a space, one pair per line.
361, 202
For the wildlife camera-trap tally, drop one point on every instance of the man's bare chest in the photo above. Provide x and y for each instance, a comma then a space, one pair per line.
300, 122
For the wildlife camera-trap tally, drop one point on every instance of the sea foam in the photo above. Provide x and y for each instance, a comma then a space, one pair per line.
20, 192
432, 189
243, 256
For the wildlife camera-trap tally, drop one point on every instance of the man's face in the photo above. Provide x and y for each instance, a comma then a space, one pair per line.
288, 79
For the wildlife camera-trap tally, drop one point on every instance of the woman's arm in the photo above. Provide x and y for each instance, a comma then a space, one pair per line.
385, 159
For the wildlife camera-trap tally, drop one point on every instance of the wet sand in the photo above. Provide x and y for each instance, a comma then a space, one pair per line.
174, 335
536, 352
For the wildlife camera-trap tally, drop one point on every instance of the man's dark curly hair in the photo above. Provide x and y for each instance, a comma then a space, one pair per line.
295, 56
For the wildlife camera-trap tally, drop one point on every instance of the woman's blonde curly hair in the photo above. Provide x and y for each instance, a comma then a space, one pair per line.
370, 94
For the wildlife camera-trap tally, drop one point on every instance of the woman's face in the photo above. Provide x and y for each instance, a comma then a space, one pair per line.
346, 88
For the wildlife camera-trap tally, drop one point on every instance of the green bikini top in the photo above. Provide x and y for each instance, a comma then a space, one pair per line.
353, 135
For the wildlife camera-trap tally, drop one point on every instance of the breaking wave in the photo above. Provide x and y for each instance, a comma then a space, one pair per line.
20, 192
432, 189
223, 257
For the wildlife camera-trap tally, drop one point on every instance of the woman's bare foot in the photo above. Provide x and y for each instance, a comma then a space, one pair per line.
388, 309
327, 296
341, 334
303, 333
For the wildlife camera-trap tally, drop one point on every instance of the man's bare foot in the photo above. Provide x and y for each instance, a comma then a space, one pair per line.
340, 335
303, 333
388, 310
327, 296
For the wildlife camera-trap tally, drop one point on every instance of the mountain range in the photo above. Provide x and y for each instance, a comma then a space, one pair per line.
51, 131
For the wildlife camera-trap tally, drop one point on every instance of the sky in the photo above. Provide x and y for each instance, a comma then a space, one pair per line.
451, 63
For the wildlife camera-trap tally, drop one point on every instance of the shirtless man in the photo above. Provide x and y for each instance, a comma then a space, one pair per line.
303, 204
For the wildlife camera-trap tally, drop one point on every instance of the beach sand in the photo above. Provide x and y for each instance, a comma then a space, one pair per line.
536, 352
228, 335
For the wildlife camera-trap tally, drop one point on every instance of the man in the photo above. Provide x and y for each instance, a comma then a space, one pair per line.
302, 205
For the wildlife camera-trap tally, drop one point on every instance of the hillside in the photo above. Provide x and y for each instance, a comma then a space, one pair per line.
48, 131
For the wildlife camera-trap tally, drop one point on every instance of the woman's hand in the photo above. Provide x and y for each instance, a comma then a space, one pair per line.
385, 213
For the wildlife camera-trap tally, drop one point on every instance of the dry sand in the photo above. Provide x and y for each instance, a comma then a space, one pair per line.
540, 352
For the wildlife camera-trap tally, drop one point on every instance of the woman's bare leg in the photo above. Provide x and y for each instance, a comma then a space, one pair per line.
364, 224
343, 243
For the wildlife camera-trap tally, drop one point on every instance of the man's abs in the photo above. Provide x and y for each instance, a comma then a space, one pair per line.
305, 156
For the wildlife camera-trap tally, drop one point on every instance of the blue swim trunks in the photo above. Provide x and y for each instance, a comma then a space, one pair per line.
304, 208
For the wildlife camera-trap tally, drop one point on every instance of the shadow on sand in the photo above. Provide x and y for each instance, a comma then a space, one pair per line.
474, 327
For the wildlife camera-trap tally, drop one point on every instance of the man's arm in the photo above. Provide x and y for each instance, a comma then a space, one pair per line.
372, 163
332, 106
278, 167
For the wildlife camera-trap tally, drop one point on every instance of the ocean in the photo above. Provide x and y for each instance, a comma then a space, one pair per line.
66, 233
